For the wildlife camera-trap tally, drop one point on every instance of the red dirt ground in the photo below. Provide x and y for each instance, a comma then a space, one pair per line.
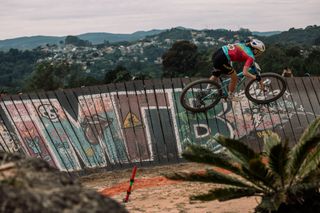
152, 192
144, 183
138, 184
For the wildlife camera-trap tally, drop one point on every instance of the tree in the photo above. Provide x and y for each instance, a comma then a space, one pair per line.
176, 34
15, 65
180, 59
78, 78
119, 74
48, 76
203, 67
274, 59
74, 40
293, 51
317, 41
312, 62
287, 180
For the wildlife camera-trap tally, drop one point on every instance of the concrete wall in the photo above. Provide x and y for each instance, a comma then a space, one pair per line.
116, 125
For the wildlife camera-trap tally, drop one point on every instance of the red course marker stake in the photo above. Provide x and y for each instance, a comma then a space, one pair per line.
131, 184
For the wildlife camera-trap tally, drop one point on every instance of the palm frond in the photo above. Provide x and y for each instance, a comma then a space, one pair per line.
312, 176
278, 159
259, 171
223, 194
270, 140
253, 179
310, 131
238, 149
301, 187
196, 153
298, 151
272, 202
299, 154
210, 176
312, 162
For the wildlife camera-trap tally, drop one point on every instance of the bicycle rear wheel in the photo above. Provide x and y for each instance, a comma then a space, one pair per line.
274, 84
200, 95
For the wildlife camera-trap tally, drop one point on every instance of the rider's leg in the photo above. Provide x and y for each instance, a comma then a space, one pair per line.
233, 82
232, 87
213, 78
215, 75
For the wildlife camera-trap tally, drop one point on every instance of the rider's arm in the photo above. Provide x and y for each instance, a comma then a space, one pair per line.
246, 68
247, 73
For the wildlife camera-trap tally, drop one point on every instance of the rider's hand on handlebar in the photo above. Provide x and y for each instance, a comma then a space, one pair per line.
258, 78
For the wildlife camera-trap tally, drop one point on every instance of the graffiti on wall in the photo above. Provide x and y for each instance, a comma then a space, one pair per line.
120, 127
8, 140
200, 127
146, 121
99, 123
106, 128
33, 143
236, 119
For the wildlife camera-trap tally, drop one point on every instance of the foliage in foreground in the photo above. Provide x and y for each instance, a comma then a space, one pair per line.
286, 179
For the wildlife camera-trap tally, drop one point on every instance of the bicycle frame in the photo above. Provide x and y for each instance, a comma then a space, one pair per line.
241, 79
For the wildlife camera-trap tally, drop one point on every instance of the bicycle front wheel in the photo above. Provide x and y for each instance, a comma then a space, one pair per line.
274, 88
200, 95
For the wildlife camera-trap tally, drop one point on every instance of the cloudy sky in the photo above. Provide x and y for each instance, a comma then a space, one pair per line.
72, 17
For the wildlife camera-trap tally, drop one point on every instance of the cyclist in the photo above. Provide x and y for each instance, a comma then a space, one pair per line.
238, 52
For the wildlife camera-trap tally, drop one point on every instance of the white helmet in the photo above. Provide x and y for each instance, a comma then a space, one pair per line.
257, 44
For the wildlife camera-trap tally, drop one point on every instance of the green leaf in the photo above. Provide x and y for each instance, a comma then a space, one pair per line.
260, 172
312, 176
196, 153
301, 187
270, 203
270, 140
310, 131
238, 149
299, 154
278, 159
210, 176
311, 163
224, 194
199, 154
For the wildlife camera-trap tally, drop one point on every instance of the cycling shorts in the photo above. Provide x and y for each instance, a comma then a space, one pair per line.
221, 64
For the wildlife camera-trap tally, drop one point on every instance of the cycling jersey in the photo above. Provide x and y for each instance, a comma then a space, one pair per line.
239, 52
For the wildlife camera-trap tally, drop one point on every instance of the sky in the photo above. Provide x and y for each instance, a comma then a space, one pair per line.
73, 17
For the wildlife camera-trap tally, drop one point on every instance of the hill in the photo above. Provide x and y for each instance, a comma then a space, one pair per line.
24, 43
269, 33
306, 36
298, 49
292, 35
99, 38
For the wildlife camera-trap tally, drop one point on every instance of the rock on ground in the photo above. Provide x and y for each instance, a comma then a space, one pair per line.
31, 185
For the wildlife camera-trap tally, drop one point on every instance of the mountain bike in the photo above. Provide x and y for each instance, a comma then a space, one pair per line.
202, 95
